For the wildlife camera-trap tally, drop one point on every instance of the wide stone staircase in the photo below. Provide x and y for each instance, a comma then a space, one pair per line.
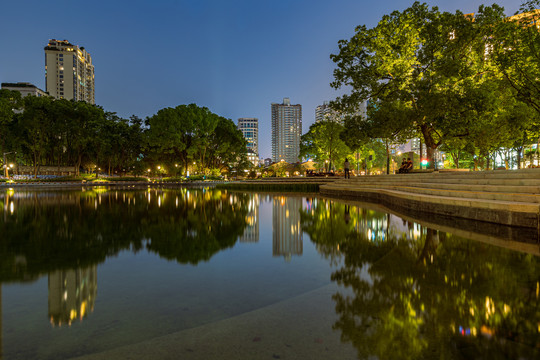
508, 197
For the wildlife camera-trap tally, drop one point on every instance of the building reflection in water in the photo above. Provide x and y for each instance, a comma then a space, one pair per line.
72, 294
287, 232
251, 233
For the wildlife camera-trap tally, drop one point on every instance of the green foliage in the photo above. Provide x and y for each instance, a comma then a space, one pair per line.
425, 72
323, 144
191, 134
68, 133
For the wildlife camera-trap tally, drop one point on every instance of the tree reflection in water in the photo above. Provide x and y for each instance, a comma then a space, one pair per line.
416, 293
43, 232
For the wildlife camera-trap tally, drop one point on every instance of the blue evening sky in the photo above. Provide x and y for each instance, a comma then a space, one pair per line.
235, 57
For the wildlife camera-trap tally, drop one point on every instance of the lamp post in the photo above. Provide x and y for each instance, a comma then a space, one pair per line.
6, 169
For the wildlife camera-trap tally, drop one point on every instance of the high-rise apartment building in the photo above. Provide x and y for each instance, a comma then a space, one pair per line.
286, 131
250, 129
325, 112
69, 73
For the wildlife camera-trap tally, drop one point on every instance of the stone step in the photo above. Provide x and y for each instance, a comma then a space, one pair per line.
517, 206
515, 188
471, 194
493, 174
513, 213
514, 193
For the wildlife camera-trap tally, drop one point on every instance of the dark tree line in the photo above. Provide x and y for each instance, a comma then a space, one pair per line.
39, 131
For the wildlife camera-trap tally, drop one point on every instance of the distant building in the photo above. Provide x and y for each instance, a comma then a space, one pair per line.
250, 129
325, 112
24, 88
267, 162
69, 73
529, 18
286, 131
253, 158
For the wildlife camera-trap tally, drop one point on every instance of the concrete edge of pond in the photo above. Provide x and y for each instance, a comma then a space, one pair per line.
270, 332
493, 234
493, 211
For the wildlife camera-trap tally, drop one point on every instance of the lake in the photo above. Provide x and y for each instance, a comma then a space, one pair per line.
103, 273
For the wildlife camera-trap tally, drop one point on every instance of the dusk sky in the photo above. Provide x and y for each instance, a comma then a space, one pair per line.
235, 57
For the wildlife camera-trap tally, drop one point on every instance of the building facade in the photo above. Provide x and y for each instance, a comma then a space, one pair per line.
250, 129
69, 73
325, 112
286, 131
24, 88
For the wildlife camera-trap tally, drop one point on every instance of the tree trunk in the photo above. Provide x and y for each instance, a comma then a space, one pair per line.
78, 164
36, 157
431, 146
387, 158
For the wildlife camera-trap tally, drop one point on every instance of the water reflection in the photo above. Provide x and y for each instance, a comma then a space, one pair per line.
287, 235
251, 233
72, 294
419, 293
50, 231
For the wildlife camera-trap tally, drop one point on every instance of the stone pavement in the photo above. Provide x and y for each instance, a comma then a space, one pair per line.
508, 197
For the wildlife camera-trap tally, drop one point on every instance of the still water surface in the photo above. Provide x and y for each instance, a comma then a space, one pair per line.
261, 275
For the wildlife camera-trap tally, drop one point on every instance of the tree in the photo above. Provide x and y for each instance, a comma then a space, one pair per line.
425, 65
35, 127
516, 51
170, 133
227, 147
9, 100
323, 143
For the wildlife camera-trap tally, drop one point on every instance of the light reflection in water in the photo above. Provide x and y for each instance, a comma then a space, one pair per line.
422, 290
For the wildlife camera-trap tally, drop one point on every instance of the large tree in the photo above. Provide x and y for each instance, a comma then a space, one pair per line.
323, 143
425, 65
516, 50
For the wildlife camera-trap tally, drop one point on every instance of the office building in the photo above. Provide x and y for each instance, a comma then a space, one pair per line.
286, 131
24, 88
250, 129
69, 73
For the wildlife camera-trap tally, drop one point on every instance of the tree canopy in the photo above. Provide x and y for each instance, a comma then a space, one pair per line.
437, 75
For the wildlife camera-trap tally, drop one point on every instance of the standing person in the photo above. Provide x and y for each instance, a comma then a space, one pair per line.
346, 168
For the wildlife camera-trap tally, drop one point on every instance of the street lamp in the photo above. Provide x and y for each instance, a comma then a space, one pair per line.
6, 170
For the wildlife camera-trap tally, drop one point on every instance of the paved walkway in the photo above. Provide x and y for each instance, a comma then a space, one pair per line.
508, 197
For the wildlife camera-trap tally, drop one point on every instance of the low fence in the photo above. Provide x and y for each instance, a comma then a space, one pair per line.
23, 170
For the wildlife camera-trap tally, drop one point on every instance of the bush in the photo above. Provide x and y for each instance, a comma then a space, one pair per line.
128, 178
174, 179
